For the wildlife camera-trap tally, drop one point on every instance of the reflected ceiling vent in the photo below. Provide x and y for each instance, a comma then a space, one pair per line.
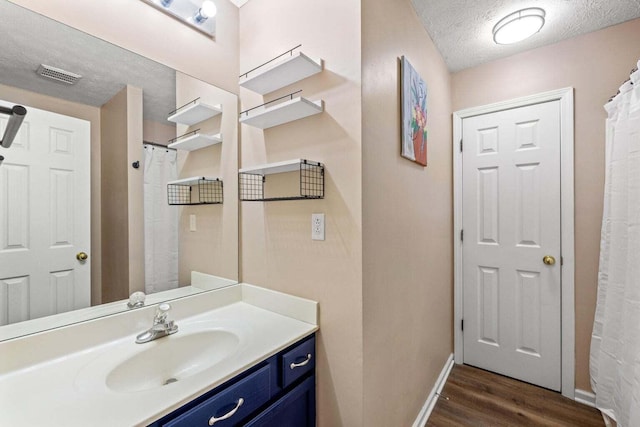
58, 75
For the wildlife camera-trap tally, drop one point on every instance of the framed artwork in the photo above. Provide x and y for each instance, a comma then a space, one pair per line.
414, 113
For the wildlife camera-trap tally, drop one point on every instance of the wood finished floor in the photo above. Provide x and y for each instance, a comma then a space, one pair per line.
479, 398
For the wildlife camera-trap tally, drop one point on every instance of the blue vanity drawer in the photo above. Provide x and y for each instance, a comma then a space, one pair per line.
298, 361
253, 390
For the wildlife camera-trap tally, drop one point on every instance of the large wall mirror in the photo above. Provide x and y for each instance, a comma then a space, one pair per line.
85, 213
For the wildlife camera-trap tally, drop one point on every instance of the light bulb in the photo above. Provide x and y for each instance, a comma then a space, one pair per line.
206, 11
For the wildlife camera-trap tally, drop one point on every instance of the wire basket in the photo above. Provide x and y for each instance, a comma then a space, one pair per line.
195, 191
311, 175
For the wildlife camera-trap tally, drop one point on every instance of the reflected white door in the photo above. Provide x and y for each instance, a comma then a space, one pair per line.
511, 221
44, 217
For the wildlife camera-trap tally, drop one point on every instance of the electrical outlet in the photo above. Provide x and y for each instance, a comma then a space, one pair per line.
317, 226
192, 222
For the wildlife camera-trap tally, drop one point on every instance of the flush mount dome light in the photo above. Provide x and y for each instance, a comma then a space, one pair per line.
518, 25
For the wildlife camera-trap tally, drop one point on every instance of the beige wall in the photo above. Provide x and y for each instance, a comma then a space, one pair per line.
122, 231
158, 133
277, 250
594, 64
213, 247
136, 187
407, 221
92, 115
139, 27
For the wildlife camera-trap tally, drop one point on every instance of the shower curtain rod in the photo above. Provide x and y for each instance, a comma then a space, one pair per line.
16, 116
157, 145
618, 92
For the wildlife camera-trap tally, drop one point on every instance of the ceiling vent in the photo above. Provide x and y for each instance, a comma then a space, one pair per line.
57, 74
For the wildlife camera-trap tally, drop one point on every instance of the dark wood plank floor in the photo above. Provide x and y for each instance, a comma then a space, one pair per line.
473, 397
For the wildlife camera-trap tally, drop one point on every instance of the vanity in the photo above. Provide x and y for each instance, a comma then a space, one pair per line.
242, 355
277, 392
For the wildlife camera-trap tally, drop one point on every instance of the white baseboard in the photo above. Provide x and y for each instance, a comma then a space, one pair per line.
432, 399
585, 397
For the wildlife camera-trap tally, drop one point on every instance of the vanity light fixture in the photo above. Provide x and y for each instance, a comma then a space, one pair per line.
206, 11
198, 14
518, 25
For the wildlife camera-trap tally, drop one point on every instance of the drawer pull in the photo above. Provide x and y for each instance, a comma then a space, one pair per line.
229, 414
297, 365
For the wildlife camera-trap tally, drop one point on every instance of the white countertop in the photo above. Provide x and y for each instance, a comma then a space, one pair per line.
56, 378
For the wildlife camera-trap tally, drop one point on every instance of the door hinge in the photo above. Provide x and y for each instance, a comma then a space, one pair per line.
462, 324
461, 146
561, 261
462, 235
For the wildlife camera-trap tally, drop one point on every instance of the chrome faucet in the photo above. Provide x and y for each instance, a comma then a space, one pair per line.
161, 326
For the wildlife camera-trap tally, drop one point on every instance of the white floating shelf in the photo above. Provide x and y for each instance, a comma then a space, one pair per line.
195, 112
194, 180
282, 73
196, 142
288, 111
270, 168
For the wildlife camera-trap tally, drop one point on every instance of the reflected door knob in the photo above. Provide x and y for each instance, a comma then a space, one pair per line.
82, 256
549, 260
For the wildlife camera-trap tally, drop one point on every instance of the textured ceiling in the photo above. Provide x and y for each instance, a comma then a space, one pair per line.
28, 39
461, 29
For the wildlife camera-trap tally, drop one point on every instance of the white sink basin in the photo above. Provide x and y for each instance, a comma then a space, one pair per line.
171, 359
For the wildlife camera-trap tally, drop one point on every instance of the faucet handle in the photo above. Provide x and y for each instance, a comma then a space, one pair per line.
136, 300
161, 312
164, 307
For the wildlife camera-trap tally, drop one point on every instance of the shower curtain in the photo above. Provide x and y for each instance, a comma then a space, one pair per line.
615, 342
160, 221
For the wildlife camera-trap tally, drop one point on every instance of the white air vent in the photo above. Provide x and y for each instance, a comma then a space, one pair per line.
58, 75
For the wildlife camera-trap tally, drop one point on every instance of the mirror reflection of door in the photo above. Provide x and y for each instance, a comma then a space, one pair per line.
44, 217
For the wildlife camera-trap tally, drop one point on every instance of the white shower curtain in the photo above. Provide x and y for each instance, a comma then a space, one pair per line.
160, 220
615, 342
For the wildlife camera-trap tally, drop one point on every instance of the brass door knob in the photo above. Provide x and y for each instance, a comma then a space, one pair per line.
82, 256
549, 260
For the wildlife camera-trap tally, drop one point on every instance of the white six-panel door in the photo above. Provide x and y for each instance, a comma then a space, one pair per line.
511, 221
44, 217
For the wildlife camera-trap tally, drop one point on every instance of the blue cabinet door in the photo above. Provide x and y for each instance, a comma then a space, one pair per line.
229, 406
295, 409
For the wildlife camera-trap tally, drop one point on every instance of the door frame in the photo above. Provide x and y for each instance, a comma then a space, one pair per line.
567, 276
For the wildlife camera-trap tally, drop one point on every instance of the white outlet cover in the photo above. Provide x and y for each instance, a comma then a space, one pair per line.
317, 226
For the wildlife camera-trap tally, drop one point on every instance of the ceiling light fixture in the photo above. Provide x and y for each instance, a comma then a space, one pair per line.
197, 14
519, 25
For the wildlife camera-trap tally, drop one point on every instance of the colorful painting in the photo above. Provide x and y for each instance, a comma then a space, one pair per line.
414, 114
